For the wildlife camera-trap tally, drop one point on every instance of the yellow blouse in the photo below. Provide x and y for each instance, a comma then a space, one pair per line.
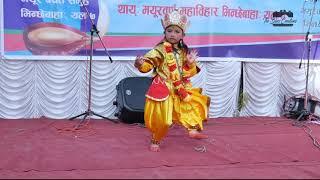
159, 60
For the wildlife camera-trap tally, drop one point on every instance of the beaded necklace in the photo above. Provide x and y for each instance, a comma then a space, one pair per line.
176, 73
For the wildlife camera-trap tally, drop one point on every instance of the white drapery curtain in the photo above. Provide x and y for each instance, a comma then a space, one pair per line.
268, 84
59, 89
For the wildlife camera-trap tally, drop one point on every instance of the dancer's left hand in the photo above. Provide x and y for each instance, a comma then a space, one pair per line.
192, 56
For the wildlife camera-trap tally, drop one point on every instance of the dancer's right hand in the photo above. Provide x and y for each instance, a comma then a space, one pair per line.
139, 61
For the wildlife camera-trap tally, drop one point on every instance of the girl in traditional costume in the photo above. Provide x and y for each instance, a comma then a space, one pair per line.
171, 97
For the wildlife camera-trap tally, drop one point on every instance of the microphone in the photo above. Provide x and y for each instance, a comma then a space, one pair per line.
300, 65
307, 36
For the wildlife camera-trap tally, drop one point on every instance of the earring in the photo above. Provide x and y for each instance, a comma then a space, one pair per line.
180, 43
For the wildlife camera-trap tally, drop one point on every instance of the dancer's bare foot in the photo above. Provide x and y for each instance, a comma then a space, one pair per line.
197, 135
154, 147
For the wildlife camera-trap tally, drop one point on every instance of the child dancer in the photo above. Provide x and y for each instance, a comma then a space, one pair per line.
171, 97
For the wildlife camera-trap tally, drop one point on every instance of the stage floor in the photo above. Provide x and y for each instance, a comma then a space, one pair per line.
253, 147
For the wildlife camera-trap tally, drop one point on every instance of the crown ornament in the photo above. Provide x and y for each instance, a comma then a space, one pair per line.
175, 18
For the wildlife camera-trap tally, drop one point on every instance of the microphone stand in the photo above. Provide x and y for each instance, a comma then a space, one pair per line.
89, 112
305, 112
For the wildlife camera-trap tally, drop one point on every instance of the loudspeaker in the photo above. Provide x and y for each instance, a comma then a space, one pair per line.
130, 99
294, 106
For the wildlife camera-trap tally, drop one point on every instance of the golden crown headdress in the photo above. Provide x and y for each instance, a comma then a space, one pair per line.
175, 18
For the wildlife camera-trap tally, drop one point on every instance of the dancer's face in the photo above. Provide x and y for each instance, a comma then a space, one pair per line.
173, 34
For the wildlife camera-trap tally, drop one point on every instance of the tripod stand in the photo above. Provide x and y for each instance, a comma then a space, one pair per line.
305, 113
89, 112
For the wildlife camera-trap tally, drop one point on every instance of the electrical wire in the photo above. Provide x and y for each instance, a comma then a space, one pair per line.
307, 129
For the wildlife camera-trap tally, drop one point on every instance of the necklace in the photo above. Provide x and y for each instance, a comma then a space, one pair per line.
176, 73
178, 64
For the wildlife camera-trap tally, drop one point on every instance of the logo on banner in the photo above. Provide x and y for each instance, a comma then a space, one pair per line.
281, 18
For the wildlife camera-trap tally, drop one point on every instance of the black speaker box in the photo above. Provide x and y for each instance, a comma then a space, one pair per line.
294, 106
130, 99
